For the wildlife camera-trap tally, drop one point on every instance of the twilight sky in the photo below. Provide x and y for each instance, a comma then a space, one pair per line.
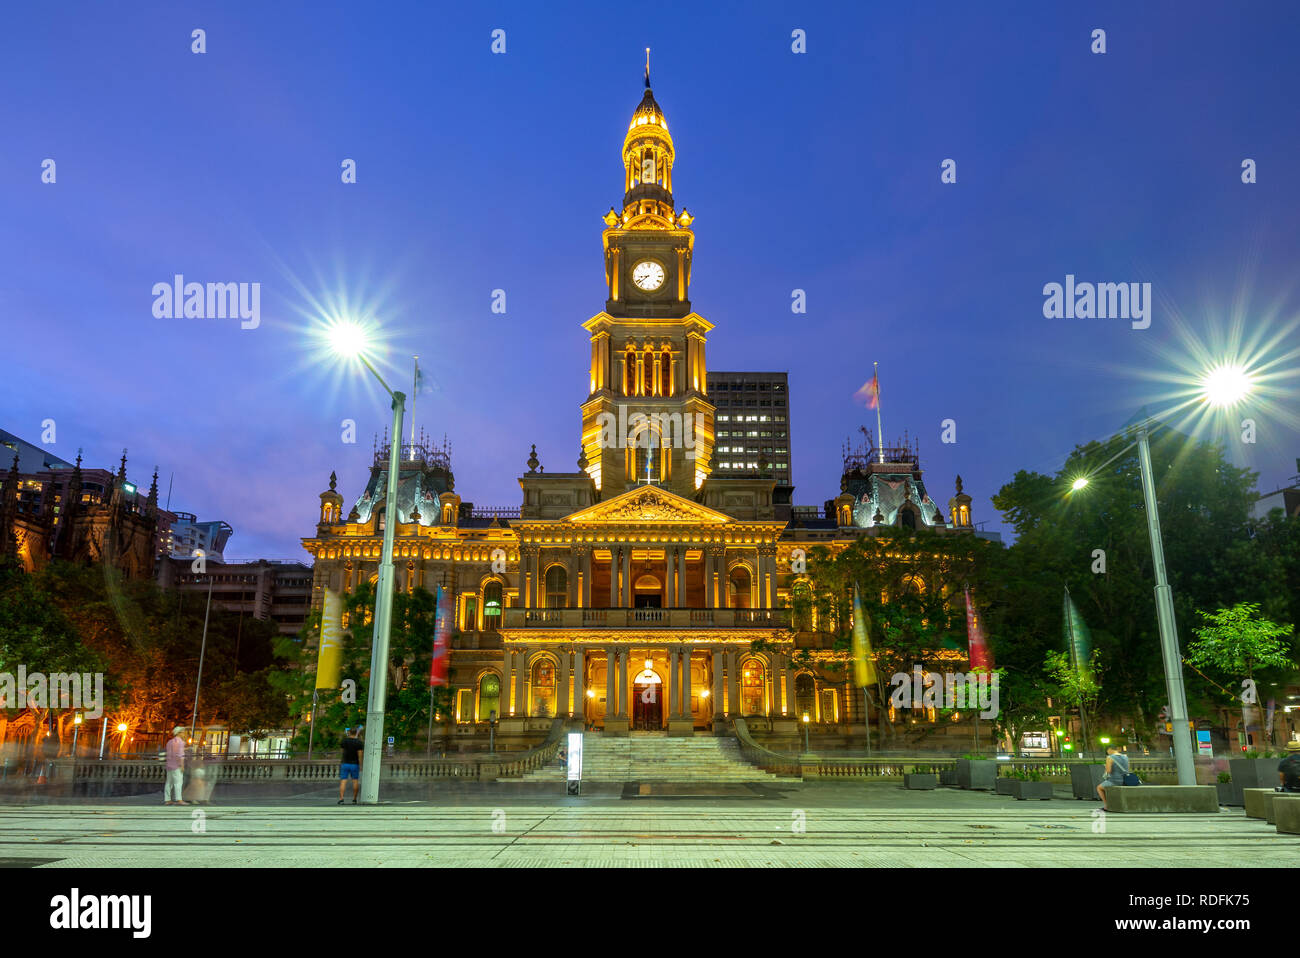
479, 171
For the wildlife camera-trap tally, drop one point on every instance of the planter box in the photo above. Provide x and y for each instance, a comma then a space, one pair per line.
1005, 786
948, 776
1254, 772
920, 780
977, 774
1032, 790
1259, 803
1286, 812
1084, 780
1229, 793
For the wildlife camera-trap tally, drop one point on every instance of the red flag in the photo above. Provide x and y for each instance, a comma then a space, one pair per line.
980, 655
441, 640
870, 392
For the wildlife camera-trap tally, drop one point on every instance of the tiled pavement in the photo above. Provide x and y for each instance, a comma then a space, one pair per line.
823, 825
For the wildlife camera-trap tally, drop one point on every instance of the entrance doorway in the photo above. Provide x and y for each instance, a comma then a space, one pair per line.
648, 702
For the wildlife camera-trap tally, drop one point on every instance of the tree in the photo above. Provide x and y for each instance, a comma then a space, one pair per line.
1238, 642
1076, 686
911, 589
1095, 540
406, 713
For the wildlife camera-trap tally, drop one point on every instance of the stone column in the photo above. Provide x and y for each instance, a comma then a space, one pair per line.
733, 682
673, 711
579, 687
522, 660
627, 577
613, 577
562, 685
670, 577
718, 664
507, 700
687, 713
790, 706
585, 566
611, 700
681, 577
622, 687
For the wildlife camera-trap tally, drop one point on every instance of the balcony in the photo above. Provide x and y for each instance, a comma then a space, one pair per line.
577, 619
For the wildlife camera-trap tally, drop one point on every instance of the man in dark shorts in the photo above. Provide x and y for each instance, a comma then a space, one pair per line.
1288, 770
350, 767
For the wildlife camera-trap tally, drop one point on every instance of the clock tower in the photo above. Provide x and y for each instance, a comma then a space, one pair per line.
647, 418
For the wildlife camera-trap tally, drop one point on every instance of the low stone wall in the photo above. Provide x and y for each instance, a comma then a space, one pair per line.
1163, 798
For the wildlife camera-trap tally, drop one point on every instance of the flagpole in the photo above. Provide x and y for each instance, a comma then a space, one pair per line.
415, 394
866, 717
880, 431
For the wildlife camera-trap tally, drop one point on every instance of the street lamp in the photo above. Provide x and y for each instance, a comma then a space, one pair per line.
806, 747
349, 339
1223, 386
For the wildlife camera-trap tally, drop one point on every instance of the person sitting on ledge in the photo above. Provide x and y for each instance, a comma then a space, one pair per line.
1116, 769
1288, 770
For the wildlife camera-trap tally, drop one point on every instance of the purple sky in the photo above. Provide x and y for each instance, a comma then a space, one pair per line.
818, 171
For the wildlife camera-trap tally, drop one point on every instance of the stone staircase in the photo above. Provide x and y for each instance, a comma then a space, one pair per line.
654, 757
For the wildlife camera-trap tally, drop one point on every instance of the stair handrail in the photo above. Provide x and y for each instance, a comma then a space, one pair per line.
761, 757
537, 757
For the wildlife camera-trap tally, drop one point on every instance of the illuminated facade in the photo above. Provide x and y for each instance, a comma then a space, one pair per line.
630, 593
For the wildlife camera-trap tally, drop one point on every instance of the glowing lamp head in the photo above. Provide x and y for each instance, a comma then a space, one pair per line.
1079, 483
121, 727
347, 339
1226, 385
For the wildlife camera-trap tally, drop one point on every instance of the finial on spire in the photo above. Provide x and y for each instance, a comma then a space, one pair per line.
647, 68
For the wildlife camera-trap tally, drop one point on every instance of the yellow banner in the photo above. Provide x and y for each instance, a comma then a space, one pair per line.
329, 659
864, 668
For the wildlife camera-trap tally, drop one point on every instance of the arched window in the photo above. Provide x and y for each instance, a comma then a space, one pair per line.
492, 606
801, 603
739, 581
753, 688
489, 697
669, 387
543, 688
557, 587
805, 697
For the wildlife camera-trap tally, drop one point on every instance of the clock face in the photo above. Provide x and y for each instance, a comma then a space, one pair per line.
648, 275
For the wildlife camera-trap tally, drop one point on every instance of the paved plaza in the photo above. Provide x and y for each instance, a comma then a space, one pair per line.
850, 824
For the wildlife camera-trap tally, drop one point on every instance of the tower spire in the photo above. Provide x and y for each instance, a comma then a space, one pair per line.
647, 68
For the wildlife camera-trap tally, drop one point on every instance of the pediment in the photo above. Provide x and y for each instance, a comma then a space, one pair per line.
651, 505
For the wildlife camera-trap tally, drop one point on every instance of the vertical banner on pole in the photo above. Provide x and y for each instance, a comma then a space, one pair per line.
329, 656
438, 668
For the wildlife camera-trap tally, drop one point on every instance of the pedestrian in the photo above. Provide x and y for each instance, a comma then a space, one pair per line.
350, 766
1288, 770
1116, 769
175, 768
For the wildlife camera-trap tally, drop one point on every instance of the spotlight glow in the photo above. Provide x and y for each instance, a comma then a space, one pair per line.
1079, 483
347, 338
1225, 385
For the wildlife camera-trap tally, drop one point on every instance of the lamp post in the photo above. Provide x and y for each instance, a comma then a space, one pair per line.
349, 339
806, 747
1169, 651
203, 648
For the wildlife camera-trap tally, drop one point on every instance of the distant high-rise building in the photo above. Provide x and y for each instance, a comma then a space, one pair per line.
265, 589
188, 535
752, 424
